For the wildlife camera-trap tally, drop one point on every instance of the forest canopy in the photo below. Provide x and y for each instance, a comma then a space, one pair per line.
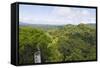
57, 43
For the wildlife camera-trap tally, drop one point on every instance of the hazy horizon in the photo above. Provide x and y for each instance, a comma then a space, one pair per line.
22, 23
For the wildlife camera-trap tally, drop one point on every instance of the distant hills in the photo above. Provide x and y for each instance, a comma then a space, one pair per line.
46, 26
50, 26
26, 24
92, 24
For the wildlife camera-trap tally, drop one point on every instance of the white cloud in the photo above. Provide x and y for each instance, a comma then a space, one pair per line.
34, 20
61, 11
61, 15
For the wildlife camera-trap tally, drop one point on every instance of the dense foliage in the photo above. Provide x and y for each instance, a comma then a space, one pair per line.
59, 44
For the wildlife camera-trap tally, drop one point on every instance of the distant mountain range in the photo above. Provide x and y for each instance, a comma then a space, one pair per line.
93, 25
49, 26
26, 24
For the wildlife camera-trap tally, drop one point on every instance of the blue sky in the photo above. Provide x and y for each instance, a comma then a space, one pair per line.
53, 15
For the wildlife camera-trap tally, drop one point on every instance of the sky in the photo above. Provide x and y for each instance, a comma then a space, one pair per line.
54, 15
